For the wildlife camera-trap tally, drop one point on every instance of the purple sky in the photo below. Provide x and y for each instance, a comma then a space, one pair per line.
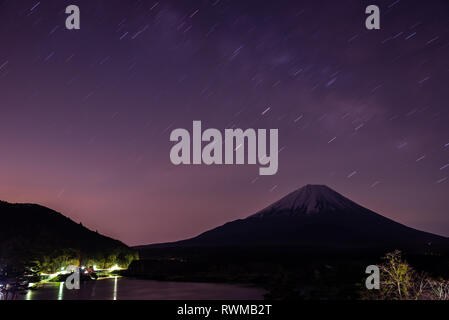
85, 116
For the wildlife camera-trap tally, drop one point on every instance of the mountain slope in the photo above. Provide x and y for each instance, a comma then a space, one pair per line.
316, 217
30, 232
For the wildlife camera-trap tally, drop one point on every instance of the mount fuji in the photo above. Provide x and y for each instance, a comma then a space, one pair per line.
316, 216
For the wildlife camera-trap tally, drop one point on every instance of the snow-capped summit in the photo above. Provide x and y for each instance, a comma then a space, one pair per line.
316, 216
308, 200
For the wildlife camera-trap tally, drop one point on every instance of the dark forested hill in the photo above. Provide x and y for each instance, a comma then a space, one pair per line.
30, 232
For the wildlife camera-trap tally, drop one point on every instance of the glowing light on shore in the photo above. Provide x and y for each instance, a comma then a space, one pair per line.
114, 268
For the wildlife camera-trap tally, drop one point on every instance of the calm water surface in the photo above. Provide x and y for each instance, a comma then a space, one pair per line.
137, 289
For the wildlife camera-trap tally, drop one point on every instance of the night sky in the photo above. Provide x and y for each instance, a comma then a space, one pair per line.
86, 116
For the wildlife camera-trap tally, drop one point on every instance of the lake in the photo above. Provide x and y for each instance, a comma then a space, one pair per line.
137, 289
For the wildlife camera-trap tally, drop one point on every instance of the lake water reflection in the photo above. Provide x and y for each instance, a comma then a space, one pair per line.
137, 289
